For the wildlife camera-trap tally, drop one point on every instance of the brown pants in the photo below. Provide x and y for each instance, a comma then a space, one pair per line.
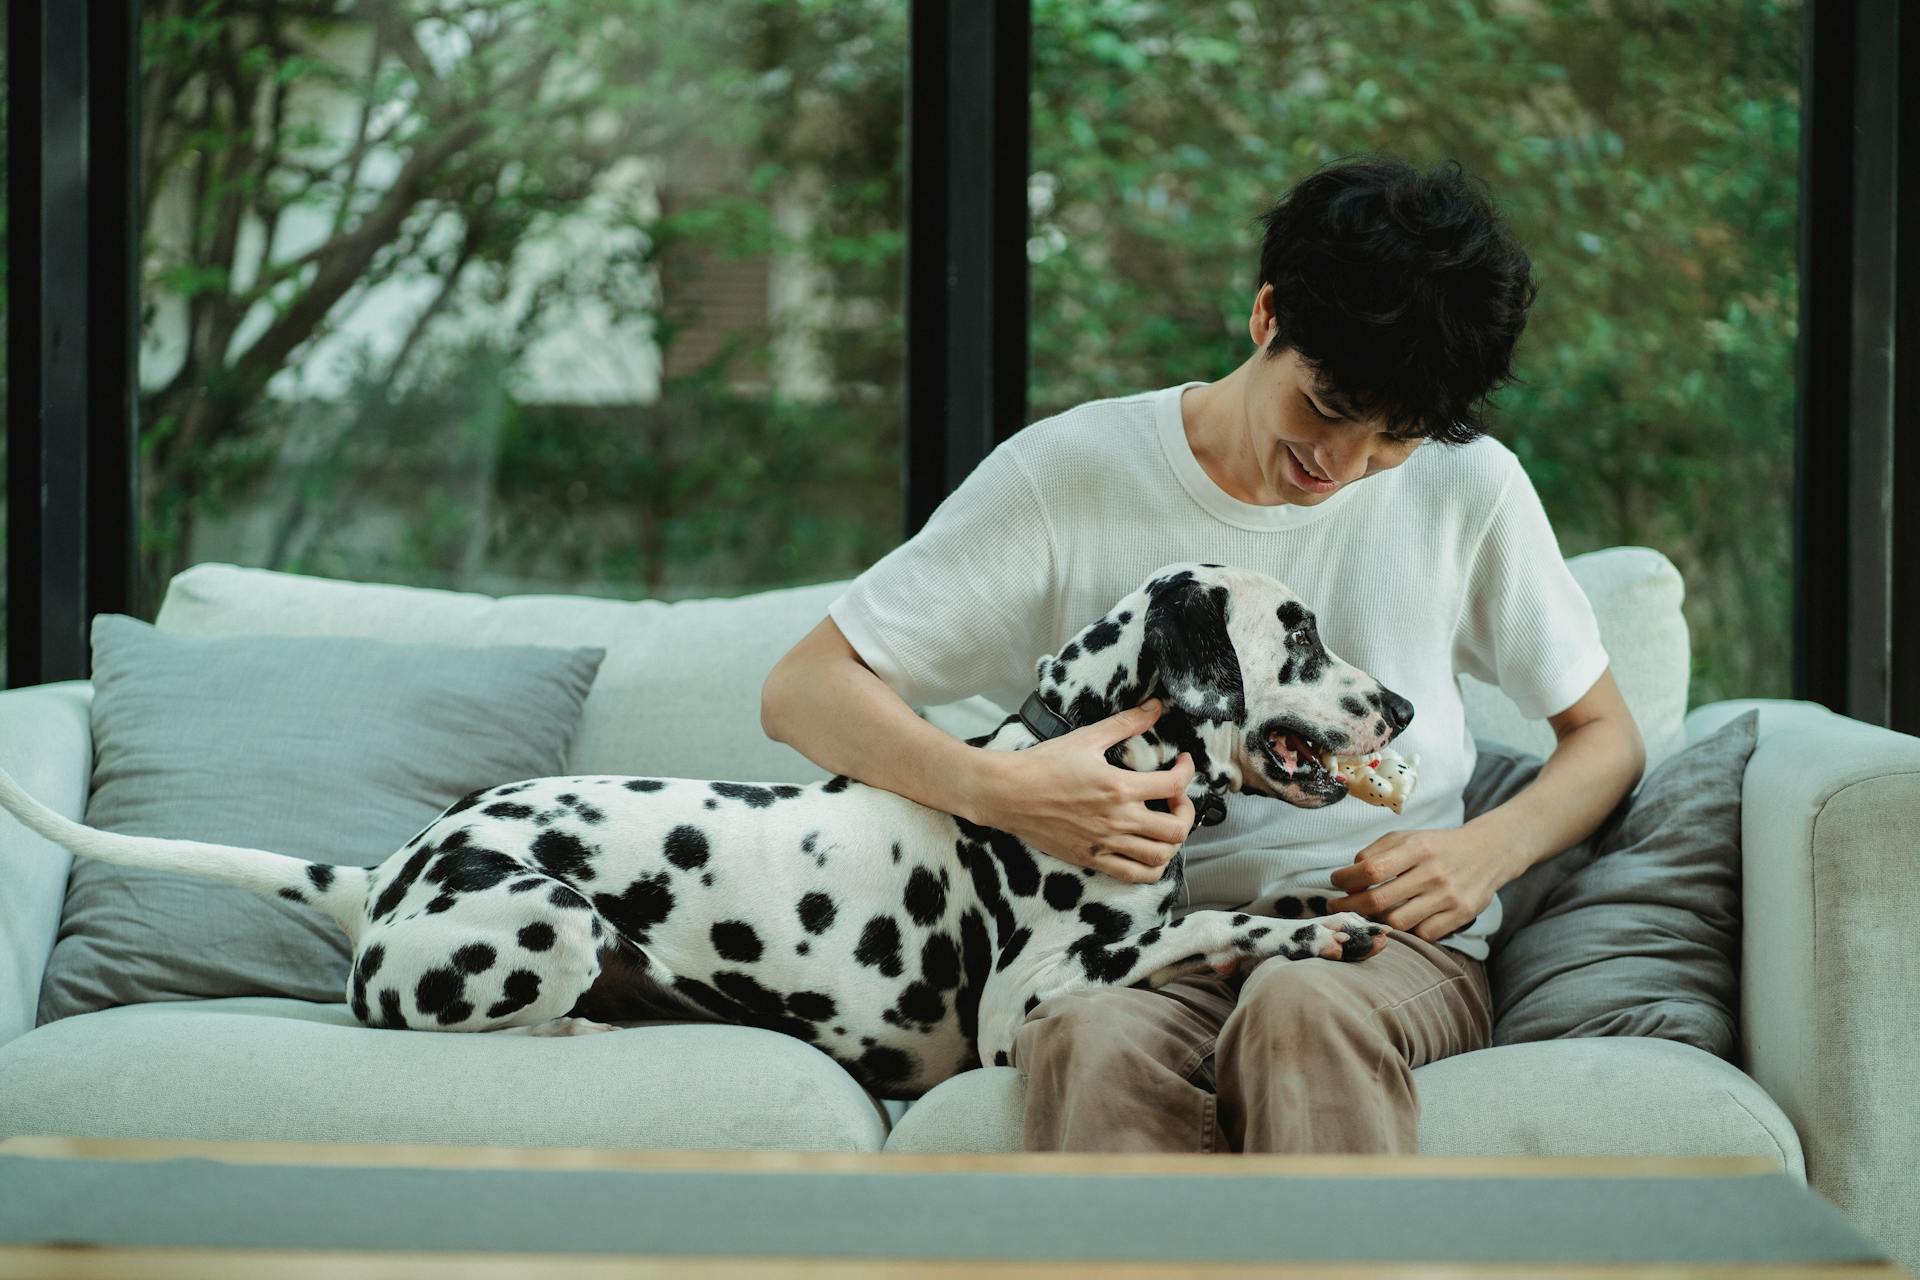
1308, 1055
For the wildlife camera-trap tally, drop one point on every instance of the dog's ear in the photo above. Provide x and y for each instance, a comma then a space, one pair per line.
1186, 642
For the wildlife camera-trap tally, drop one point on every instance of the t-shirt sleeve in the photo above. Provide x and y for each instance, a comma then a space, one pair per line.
1527, 627
966, 605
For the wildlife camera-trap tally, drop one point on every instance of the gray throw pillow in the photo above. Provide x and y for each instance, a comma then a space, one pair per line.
337, 749
1636, 930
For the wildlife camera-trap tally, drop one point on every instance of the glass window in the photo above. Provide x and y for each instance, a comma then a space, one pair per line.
584, 296
4, 291
1646, 155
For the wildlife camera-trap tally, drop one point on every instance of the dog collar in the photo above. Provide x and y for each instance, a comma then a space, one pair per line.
1044, 723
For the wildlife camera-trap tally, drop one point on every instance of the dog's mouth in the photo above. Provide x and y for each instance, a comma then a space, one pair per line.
1299, 758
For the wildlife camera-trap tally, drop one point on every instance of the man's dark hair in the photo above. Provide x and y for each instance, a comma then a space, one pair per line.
1403, 293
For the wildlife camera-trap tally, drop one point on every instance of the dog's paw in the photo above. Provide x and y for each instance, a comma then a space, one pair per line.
559, 1027
1364, 937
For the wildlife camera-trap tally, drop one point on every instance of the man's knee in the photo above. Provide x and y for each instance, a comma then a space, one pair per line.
1295, 1002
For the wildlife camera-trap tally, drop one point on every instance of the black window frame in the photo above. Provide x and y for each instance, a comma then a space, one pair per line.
73, 343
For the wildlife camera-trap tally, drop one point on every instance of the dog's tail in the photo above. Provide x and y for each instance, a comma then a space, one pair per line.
333, 890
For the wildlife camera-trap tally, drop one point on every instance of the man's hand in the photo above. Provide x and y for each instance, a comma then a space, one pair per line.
1424, 882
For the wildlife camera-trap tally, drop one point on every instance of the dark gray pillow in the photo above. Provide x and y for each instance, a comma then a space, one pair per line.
1636, 930
336, 749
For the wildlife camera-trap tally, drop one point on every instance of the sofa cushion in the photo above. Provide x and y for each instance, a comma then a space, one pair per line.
261, 1069
699, 664
1642, 937
1636, 595
334, 750
693, 666
1624, 1096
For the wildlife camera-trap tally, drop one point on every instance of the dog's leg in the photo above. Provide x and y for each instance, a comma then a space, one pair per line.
558, 1027
1218, 940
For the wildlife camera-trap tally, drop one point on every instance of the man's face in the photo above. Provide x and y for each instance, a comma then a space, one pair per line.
1290, 417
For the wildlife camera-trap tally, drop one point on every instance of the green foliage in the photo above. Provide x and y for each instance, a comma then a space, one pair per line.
1646, 155
1645, 151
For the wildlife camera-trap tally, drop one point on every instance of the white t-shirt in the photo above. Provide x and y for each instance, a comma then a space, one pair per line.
1443, 564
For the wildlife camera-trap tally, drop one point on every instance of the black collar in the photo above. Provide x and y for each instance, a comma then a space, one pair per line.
1044, 723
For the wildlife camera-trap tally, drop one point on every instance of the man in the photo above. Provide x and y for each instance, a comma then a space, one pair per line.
1345, 458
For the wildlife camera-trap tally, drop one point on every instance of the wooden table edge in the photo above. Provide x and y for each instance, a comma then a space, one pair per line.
53, 1263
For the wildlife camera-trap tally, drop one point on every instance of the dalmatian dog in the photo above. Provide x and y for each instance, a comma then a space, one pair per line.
906, 943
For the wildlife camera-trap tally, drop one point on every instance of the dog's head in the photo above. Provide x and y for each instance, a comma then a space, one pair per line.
1251, 690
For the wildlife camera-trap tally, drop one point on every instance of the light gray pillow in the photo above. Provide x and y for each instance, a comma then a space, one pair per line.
336, 749
1636, 930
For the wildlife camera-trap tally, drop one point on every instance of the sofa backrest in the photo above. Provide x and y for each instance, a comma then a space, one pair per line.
679, 692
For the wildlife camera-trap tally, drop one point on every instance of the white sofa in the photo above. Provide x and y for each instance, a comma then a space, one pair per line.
1830, 1031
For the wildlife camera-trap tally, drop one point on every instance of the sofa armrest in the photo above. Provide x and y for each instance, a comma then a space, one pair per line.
1830, 957
46, 743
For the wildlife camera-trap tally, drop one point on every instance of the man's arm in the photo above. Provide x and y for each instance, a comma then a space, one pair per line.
824, 702
1599, 759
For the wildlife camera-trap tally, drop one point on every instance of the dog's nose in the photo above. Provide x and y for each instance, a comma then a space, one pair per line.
1399, 710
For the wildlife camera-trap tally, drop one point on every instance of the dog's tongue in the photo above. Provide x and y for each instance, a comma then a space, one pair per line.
1283, 747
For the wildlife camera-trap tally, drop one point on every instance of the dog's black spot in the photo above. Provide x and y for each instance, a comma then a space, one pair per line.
1069, 653
475, 957
537, 936
467, 801
896, 853
294, 895
839, 782
1353, 706
646, 903
1033, 1002
712, 803
390, 1014
321, 875
1317, 905
976, 958
438, 987
786, 790
687, 847
1304, 934
1062, 891
1150, 937
811, 1005
758, 797
925, 900
563, 856
1000, 1058
940, 961
707, 880
508, 809
1288, 907
389, 900
880, 946
1015, 945
816, 912
471, 870
563, 896
521, 989
522, 886
458, 1011
920, 1006
1103, 634
444, 902
1239, 919
1260, 932
736, 940
370, 960
643, 784
800, 948
884, 1066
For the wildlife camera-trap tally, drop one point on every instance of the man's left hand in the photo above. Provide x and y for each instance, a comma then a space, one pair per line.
1424, 882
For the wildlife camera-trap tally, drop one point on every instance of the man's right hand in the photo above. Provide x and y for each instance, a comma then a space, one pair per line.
1063, 798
